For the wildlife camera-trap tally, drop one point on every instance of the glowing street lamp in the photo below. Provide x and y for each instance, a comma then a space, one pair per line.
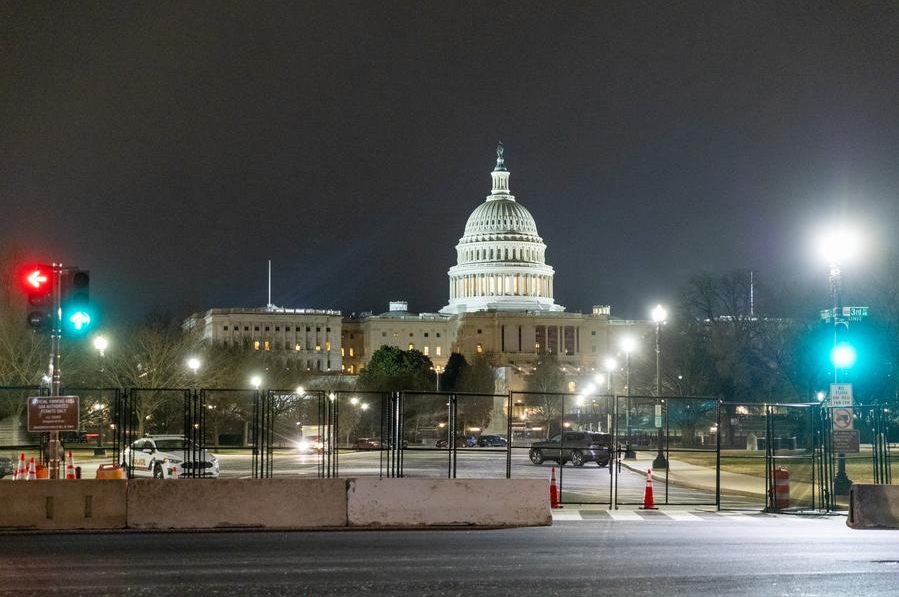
627, 345
100, 344
659, 315
438, 370
610, 364
838, 246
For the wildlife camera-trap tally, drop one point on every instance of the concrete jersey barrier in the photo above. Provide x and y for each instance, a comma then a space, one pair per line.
873, 506
61, 504
290, 504
447, 502
236, 503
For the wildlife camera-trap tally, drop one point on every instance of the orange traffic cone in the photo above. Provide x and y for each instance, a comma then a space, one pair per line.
70, 466
22, 470
553, 491
32, 471
648, 502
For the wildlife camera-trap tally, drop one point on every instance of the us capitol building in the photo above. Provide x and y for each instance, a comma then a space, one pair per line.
501, 305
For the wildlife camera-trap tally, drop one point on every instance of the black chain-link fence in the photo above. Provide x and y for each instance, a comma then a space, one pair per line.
699, 450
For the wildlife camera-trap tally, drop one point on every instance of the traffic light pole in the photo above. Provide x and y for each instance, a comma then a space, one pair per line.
841, 482
55, 374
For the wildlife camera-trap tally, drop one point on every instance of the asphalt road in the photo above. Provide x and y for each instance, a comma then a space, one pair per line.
588, 484
709, 555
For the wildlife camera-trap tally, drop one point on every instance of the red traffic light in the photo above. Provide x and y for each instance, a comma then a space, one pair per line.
38, 283
37, 279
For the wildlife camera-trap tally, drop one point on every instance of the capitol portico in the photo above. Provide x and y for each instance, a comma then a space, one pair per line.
501, 305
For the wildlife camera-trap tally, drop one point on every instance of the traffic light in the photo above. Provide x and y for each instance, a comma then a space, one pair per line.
76, 311
37, 282
843, 354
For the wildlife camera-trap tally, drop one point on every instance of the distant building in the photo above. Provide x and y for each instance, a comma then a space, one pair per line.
501, 304
306, 339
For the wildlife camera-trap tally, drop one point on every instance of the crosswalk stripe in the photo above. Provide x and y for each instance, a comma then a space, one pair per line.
637, 516
625, 515
683, 516
570, 515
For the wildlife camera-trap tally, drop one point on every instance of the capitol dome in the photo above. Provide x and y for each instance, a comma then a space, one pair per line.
500, 261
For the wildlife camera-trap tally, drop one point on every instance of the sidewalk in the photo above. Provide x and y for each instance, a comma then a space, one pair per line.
693, 476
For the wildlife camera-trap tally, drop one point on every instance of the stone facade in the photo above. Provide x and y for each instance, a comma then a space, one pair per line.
501, 304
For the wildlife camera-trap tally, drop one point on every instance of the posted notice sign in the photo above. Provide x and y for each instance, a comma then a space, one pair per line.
53, 413
841, 394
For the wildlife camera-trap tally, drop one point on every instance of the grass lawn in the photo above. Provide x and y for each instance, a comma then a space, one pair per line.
859, 467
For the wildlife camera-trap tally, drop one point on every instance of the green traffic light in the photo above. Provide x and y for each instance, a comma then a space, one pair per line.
80, 320
843, 355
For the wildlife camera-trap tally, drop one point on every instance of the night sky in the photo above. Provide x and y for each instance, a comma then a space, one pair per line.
173, 148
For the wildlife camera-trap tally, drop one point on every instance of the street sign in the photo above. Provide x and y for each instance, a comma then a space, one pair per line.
53, 413
841, 394
842, 419
845, 314
845, 442
658, 416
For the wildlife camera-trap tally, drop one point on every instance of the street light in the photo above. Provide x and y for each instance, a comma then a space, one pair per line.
836, 247
256, 381
659, 315
101, 344
438, 370
627, 345
611, 364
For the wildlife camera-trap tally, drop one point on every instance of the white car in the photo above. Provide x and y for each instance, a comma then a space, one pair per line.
156, 455
312, 444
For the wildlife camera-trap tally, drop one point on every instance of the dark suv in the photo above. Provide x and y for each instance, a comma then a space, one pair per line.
576, 447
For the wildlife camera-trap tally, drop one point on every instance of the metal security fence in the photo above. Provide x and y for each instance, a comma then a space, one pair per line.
701, 451
678, 439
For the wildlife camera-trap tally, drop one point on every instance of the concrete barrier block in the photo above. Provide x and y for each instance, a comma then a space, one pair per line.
873, 506
63, 504
447, 502
235, 503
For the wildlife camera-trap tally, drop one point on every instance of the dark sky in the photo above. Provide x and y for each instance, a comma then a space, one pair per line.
173, 148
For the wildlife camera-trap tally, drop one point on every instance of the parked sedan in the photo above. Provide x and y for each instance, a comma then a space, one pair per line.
462, 441
368, 443
156, 455
576, 447
492, 441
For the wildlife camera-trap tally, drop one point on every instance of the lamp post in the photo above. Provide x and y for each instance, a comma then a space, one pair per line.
101, 344
627, 345
837, 247
438, 370
659, 315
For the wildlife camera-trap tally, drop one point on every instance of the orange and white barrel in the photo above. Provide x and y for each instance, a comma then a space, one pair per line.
781, 488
